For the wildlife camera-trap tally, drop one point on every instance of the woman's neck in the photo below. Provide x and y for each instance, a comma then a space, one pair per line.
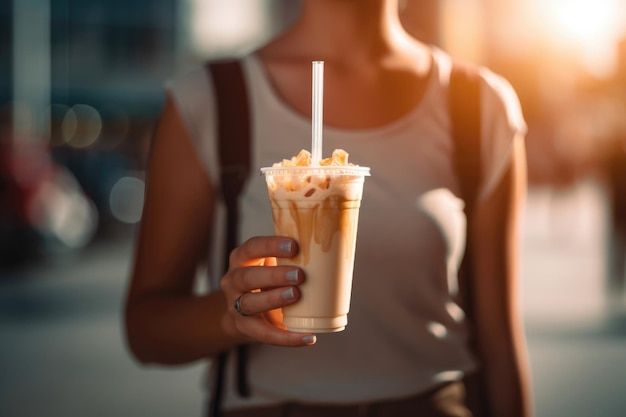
376, 72
362, 30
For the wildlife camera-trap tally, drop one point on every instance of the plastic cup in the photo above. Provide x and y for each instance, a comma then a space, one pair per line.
319, 208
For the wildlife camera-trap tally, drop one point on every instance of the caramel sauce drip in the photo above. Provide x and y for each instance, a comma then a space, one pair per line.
318, 224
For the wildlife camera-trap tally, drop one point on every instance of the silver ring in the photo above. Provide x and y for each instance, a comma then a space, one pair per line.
238, 306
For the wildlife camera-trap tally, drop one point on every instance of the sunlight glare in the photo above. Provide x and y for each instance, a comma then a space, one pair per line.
583, 20
590, 27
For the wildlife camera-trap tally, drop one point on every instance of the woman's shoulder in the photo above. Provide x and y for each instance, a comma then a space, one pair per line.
498, 96
491, 80
190, 90
198, 76
190, 75
192, 86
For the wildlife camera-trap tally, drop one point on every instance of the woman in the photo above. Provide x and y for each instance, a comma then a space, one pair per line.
405, 344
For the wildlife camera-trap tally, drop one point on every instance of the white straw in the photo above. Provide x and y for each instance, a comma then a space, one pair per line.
317, 111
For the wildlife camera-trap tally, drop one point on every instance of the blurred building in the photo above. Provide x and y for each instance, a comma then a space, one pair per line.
111, 53
80, 88
119, 52
81, 85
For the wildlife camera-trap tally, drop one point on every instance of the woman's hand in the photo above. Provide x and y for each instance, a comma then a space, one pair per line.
256, 288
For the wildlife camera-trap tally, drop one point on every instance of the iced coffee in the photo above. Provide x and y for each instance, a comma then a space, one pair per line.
318, 206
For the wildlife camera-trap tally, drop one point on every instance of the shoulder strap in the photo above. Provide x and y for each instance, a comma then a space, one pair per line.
233, 139
464, 100
233, 135
465, 112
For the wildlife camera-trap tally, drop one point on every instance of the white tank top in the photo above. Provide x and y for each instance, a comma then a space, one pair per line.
405, 334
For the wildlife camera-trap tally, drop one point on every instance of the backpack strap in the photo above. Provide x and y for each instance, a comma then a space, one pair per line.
464, 101
233, 135
465, 112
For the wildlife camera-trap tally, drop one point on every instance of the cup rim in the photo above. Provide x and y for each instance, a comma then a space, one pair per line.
354, 170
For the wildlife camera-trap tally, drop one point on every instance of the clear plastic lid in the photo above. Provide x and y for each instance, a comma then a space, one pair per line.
317, 170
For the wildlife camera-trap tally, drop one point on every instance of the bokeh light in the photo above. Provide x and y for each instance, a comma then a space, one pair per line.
126, 199
65, 213
56, 120
69, 125
82, 126
115, 126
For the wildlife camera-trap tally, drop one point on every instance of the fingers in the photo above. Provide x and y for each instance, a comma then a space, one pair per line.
256, 276
255, 287
255, 249
253, 303
263, 277
258, 289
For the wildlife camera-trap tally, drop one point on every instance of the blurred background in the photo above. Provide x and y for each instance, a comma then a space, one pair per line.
81, 86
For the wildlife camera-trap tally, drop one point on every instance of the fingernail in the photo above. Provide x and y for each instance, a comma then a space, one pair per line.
286, 246
288, 294
292, 275
309, 340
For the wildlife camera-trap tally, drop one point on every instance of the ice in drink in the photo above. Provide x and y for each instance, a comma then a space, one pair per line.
318, 206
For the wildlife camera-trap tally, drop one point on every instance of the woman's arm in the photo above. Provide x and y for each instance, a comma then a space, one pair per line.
165, 322
500, 336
